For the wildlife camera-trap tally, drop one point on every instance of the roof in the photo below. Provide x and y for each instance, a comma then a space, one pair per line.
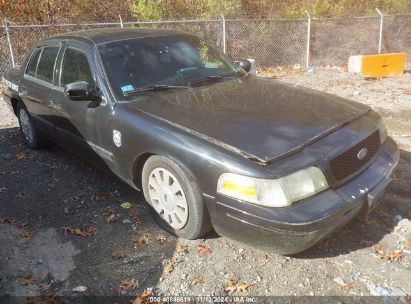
104, 35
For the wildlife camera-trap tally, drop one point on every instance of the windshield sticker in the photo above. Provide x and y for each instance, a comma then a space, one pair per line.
127, 88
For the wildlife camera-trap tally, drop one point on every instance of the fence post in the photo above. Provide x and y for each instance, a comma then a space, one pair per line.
121, 20
224, 34
381, 28
307, 57
7, 30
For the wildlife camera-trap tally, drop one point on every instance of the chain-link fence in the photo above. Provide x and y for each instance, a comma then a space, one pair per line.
334, 40
397, 34
270, 42
5, 58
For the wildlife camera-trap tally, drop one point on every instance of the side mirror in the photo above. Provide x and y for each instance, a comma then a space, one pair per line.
244, 64
78, 91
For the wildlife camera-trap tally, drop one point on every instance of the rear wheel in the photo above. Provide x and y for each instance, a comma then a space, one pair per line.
28, 128
175, 198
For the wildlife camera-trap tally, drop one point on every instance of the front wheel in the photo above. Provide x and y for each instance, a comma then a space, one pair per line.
175, 198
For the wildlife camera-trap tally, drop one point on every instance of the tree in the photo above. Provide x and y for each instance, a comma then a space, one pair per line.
63, 11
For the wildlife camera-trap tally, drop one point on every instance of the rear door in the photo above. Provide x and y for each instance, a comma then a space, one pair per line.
37, 82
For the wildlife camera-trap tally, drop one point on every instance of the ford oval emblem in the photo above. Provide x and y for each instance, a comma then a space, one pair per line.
362, 153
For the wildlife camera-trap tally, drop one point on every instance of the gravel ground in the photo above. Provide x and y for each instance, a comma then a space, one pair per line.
45, 195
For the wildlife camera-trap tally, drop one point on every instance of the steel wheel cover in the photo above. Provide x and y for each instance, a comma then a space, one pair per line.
167, 197
26, 126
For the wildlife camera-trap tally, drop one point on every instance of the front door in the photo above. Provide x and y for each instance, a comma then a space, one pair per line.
82, 126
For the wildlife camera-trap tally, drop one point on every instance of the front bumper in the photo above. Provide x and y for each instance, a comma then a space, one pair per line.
296, 228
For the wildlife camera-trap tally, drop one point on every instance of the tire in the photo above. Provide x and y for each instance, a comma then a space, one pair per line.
28, 128
166, 186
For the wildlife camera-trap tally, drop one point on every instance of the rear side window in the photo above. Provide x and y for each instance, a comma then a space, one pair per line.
31, 67
75, 67
45, 66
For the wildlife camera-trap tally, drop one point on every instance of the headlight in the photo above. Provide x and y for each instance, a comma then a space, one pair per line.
273, 193
383, 130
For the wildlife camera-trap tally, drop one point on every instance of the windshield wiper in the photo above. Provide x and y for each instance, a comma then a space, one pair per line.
157, 87
213, 78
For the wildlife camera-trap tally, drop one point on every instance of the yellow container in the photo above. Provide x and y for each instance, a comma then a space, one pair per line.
382, 65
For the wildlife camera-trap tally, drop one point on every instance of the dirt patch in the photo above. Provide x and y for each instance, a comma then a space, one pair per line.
27, 261
51, 257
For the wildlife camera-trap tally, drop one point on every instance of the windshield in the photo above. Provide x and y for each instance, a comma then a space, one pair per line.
182, 60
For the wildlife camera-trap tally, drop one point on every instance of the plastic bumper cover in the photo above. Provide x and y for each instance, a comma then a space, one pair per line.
298, 227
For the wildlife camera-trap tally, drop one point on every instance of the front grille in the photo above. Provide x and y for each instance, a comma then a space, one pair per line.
348, 163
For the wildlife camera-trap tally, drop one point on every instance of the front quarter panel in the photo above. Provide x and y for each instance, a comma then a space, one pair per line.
142, 133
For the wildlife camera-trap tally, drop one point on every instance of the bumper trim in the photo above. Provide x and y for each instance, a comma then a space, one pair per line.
296, 228
272, 229
376, 195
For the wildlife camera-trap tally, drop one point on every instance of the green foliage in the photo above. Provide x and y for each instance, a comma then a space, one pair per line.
73, 11
147, 10
323, 8
183, 9
340, 8
62, 11
203, 49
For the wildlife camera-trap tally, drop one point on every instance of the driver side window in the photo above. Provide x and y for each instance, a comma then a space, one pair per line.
75, 67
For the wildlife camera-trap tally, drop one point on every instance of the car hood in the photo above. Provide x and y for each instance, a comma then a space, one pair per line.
259, 118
